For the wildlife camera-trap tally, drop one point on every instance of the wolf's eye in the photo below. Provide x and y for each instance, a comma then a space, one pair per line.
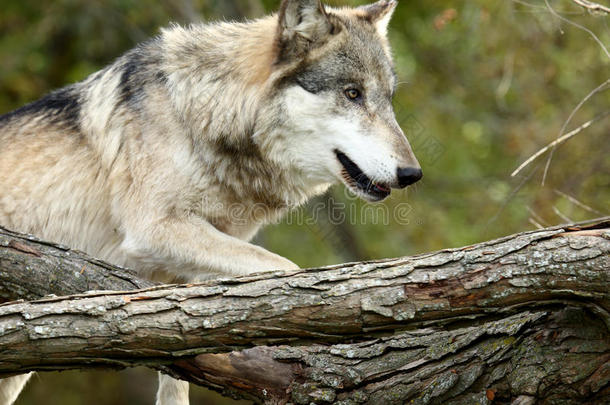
353, 94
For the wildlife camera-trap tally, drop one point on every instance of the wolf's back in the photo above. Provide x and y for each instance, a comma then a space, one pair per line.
51, 181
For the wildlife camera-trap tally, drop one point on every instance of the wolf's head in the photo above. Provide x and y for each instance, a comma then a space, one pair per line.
336, 88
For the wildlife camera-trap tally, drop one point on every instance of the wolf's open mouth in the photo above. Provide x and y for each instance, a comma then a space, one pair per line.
356, 178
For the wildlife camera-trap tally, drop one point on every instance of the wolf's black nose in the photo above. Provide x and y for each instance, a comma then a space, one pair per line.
408, 176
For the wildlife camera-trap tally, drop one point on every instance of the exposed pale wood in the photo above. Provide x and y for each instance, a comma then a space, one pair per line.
521, 317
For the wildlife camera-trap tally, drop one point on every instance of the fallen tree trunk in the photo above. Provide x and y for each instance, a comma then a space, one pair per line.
523, 318
31, 269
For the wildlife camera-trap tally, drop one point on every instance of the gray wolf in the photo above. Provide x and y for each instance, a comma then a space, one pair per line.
139, 163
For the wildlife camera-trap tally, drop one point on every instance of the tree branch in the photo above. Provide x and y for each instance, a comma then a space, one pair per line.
593, 7
31, 269
526, 316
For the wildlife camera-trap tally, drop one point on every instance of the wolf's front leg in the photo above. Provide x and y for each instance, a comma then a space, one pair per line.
11, 387
171, 391
192, 248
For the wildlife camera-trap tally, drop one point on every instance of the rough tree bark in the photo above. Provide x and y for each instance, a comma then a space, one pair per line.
523, 319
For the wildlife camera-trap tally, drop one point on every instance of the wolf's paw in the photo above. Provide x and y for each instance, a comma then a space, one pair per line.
269, 262
287, 265
280, 264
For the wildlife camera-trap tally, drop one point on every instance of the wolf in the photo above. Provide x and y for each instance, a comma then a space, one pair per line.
144, 162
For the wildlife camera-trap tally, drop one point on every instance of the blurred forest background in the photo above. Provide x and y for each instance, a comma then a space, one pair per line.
484, 85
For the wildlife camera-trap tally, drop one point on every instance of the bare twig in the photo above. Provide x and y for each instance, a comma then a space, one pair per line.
595, 37
534, 8
536, 224
596, 90
512, 194
541, 223
561, 215
578, 203
593, 7
558, 141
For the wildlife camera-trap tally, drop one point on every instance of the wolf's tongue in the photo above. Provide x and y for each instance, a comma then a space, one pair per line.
382, 188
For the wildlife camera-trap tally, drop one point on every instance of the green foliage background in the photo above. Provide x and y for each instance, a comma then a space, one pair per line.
485, 84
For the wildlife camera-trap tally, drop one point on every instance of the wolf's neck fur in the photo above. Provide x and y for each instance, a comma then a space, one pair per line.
221, 79
219, 75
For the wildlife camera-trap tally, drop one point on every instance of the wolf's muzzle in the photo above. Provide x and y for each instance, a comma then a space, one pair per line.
356, 178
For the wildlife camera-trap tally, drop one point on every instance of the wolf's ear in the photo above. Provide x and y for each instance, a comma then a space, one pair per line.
380, 14
302, 23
